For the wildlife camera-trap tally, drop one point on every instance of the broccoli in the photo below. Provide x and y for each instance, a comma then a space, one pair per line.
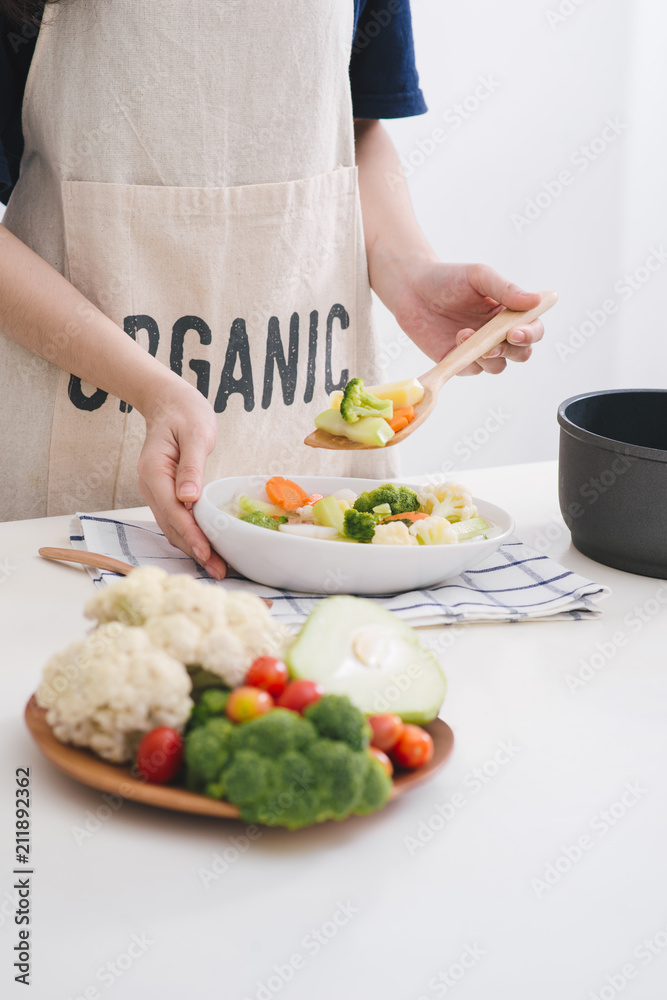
376, 790
358, 402
399, 498
212, 702
341, 778
202, 680
282, 769
262, 521
249, 779
334, 716
215, 790
295, 797
276, 733
358, 525
207, 751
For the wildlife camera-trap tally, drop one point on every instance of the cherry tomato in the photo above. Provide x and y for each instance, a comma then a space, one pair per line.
299, 694
386, 730
382, 758
159, 755
268, 673
246, 703
413, 749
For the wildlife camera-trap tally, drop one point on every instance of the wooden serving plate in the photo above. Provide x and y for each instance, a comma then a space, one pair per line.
119, 779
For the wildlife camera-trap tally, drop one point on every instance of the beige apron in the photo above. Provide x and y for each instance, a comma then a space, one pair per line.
189, 167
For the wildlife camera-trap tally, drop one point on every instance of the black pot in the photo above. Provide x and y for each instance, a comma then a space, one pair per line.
612, 475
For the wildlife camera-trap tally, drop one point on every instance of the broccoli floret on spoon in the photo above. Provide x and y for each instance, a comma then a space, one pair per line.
358, 402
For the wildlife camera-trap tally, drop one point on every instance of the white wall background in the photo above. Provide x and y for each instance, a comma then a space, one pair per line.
557, 71
561, 68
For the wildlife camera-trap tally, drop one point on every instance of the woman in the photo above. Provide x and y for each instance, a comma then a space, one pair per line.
184, 272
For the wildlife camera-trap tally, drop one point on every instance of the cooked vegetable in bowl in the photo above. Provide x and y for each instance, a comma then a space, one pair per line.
386, 515
272, 530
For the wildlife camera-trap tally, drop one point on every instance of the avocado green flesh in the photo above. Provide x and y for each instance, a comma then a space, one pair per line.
354, 647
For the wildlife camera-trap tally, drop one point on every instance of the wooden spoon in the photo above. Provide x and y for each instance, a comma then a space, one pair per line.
99, 561
491, 335
87, 559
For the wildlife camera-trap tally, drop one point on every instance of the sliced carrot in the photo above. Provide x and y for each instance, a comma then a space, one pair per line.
285, 493
408, 515
401, 418
398, 423
313, 498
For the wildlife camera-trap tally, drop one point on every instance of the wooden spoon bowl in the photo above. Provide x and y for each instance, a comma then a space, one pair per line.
491, 335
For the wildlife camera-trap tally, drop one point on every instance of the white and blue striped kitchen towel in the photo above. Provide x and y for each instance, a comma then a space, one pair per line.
514, 584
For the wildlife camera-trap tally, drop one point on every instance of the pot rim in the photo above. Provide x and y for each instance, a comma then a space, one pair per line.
606, 443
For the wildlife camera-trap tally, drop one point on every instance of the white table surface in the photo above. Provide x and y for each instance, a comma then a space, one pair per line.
465, 911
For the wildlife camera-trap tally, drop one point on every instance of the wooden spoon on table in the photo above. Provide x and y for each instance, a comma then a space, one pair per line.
491, 335
86, 558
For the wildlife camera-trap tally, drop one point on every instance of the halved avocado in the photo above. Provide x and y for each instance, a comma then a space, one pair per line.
355, 647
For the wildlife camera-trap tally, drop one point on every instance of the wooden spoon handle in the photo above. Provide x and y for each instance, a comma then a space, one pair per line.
87, 559
99, 561
491, 335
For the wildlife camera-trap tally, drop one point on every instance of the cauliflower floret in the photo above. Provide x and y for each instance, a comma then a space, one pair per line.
305, 513
109, 689
348, 495
450, 500
394, 533
433, 531
131, 600
200, 625
177, 634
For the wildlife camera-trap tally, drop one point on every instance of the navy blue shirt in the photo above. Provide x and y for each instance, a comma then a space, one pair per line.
383, 75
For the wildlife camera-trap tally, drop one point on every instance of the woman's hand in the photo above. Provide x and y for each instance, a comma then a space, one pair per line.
441, 305
180, 434
438, 305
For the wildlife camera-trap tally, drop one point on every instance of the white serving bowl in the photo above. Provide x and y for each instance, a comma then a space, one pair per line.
317, 566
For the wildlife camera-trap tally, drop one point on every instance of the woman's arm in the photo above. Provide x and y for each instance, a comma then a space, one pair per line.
43, 312
438, 305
